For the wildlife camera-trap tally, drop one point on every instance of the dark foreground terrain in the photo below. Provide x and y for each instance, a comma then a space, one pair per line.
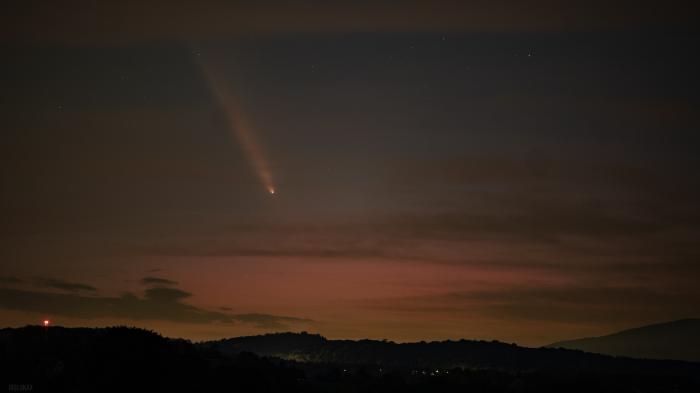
127, 359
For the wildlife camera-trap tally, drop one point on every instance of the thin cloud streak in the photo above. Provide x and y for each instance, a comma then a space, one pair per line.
164, 304
151, 280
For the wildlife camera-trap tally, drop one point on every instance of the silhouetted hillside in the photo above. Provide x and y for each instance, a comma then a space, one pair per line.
122, 359
679, 340
125, 359
441, 355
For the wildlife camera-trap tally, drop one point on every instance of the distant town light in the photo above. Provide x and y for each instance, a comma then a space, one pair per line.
46, 322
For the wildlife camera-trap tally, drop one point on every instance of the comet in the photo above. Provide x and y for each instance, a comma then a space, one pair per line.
239, 125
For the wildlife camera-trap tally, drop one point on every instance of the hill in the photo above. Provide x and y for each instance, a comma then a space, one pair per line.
465, 354
122, 359
679, 340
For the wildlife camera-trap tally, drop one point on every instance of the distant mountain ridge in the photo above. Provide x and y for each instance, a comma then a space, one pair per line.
677, 340
466, 354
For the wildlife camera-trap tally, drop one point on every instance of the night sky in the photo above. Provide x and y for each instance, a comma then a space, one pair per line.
525, 171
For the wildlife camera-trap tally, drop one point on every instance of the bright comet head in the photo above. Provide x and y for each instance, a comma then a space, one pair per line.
271, 190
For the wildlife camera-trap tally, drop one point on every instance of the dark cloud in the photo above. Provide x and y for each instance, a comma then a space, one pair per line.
560, 226
83, 21
594, 304
66, 285
151, 280
576, 303
592, 207
10, 280
52, 283
536, 174
157, 304
602, 304
166, 295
